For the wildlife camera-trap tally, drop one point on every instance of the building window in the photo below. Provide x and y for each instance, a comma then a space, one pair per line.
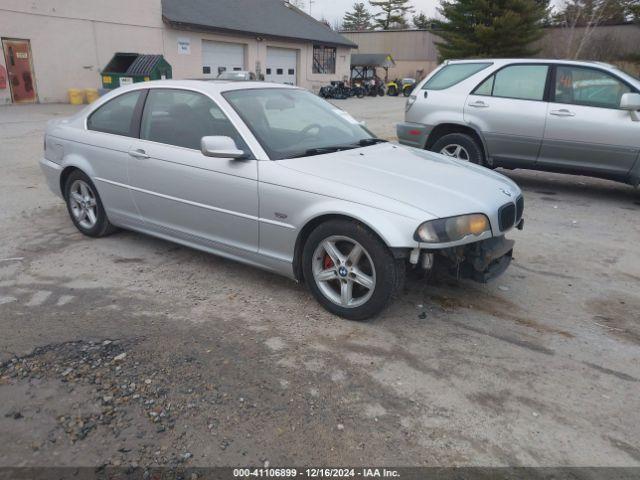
291, 71
279, 71
268, 71
324, 59
206, 69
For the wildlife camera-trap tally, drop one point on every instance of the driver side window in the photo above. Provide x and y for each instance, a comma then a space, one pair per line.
181, 118
589, 87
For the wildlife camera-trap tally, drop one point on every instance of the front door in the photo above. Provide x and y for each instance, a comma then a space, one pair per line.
180, 193
509, 108
586, 131
17, 55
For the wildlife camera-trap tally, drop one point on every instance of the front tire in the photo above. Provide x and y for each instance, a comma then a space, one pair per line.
461, 146
349, 270
85, 206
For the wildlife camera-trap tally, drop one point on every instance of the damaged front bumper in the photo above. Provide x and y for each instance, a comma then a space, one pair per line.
480, 261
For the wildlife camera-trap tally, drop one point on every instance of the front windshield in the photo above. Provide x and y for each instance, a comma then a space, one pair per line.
292, 123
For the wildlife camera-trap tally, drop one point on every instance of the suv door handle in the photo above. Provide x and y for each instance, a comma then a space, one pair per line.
138, 153
563, 112
478, 104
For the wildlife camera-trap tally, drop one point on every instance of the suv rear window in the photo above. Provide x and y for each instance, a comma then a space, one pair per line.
453, 74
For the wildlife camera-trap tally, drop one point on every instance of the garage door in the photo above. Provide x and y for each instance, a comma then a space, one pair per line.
281, 65
218, 57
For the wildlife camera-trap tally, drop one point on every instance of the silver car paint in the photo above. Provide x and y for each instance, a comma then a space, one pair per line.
253, 210
527, 133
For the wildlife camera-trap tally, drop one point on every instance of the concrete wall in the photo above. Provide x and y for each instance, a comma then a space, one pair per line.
72, 40
190, 66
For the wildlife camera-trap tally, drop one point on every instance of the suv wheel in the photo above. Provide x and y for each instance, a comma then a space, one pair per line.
349, 270
460, 146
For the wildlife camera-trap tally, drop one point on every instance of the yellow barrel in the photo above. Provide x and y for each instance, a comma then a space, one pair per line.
76, 96
91, 94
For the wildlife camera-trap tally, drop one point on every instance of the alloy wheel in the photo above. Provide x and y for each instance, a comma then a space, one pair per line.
456, 151
343, 271
84, 207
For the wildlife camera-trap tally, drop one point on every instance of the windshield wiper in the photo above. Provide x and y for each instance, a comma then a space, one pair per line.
365, 142
322, 150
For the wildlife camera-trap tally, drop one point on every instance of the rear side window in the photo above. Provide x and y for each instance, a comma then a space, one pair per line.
116, 116
453, 74
524, 82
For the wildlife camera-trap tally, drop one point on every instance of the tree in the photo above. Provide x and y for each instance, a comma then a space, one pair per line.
357, 20
299, 4
490, 28
392, 14
421, 21
326, 23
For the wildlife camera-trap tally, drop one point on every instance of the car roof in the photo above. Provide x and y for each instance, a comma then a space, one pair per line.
217, 86
506, 61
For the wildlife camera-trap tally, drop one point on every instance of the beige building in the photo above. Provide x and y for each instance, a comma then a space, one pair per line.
50, 46
413, 51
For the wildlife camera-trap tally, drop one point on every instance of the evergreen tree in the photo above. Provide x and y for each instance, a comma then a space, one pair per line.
421, 21
581, 13
392, 14
357, 20
490, 28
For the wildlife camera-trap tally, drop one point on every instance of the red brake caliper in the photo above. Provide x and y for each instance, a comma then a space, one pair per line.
327, 263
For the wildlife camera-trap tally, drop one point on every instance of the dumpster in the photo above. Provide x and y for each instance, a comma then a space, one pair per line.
127, 68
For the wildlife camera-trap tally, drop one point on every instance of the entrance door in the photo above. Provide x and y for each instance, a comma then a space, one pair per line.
281, 65
17, 55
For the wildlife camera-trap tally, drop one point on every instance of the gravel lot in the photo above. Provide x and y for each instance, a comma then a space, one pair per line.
132, 350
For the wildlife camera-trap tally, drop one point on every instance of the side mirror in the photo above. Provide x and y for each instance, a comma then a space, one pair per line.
631, 102
220, 147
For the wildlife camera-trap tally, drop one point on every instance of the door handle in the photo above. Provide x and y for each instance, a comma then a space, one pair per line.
478, 104
138, 153
563, 112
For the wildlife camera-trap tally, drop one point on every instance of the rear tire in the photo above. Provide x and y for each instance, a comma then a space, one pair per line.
392, 91
351, 283
460, 146
85, 206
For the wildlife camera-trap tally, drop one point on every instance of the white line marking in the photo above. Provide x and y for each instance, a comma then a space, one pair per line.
14, 259
64, 299
4, 300
38, 298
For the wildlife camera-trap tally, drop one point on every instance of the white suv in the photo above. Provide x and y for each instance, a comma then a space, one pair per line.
555, 115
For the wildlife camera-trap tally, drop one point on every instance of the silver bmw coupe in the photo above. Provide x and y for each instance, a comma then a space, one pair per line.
278, 178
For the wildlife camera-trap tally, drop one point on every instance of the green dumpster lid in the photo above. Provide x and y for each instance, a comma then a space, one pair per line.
143, 65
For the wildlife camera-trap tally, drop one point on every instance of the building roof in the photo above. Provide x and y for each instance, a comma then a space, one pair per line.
372, 60
275, 18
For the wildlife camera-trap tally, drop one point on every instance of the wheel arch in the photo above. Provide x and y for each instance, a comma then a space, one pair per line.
312, 223
71, 163
446, 128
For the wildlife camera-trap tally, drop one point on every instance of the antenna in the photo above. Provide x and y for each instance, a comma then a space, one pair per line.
311, 2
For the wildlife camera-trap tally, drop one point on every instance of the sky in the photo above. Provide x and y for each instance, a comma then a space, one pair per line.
334, 9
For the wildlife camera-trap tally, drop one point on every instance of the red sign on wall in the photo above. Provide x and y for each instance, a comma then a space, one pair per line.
3, 78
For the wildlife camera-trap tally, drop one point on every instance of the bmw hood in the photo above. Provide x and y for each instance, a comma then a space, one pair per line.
433, 183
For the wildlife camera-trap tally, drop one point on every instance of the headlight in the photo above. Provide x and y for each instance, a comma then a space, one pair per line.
451, 229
